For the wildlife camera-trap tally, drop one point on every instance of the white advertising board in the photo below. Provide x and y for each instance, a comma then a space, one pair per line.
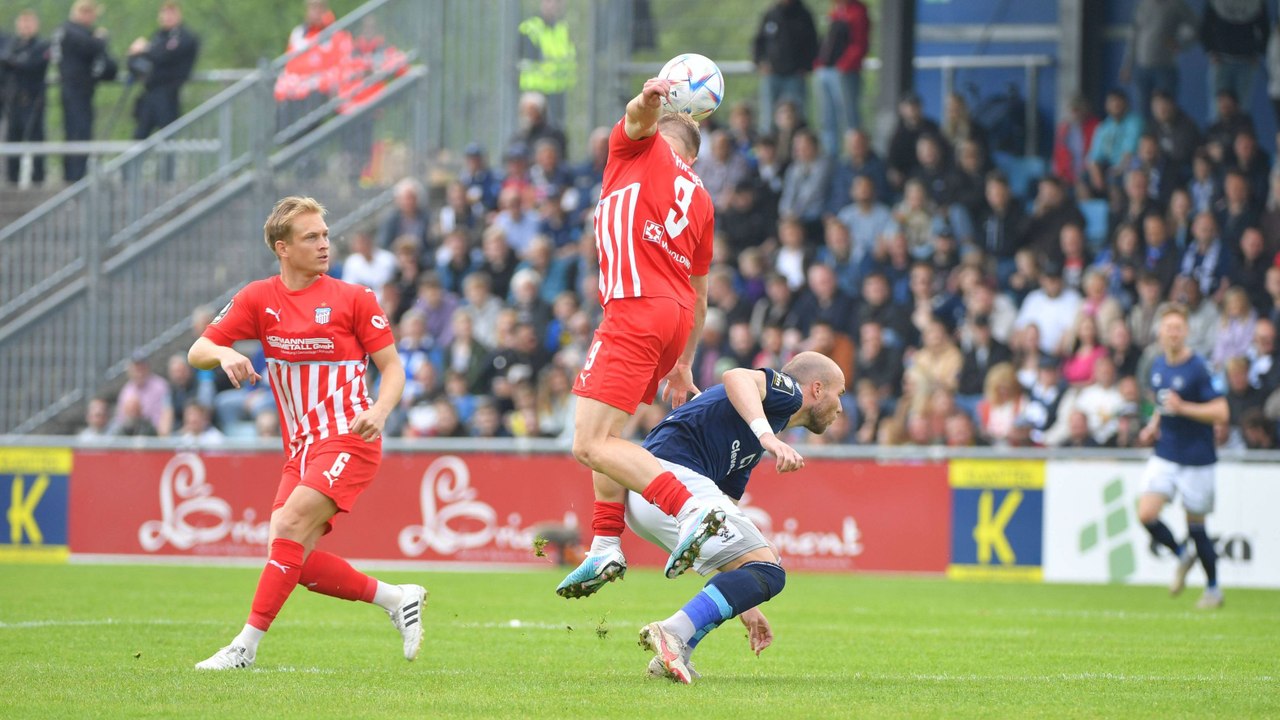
1092, 533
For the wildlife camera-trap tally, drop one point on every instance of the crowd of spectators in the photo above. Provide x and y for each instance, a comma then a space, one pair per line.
963, 309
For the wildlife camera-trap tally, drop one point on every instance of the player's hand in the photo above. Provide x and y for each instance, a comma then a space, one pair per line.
1149, 434
238, 368
1172, 402
369, 423
655, 91
678, 386
759, 634
788, 458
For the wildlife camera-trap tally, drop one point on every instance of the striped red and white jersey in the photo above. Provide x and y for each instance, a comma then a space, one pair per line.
654, 223
317, 342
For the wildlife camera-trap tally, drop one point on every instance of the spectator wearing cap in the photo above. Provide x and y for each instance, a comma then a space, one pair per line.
1114, 143
1044, 397
912, 124
515, 176
858, 160
149, 392
481, 182
409, 217
1052, 307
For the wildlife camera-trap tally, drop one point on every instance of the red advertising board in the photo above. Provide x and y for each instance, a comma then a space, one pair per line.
489, 507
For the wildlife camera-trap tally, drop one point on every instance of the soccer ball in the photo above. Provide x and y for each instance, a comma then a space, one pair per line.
697, 85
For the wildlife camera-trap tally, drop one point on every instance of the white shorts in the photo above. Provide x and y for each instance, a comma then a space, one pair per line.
738, 537
1195, 482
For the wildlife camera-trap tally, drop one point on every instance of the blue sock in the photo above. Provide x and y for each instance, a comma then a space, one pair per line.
1161, 534
1204, 548
725, 596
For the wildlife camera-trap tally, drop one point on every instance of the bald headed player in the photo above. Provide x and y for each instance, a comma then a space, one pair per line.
711, 444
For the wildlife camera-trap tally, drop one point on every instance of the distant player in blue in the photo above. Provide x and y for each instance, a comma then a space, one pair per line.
711, 444
1182, 429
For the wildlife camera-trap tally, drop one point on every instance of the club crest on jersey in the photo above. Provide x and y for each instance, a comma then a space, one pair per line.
652, 231
784, 383
322, 315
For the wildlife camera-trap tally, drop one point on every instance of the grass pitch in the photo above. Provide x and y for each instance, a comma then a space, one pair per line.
119, 641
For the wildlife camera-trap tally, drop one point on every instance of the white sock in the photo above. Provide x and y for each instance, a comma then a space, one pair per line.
681, 626
248, 639
388, 597
601, 544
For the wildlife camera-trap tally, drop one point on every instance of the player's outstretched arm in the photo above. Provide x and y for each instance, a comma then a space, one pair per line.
205, 354
369, 423
643, 111
746, 390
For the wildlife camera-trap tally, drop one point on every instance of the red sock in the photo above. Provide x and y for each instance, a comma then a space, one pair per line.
609, 519
668, 493
328, 574
279, 577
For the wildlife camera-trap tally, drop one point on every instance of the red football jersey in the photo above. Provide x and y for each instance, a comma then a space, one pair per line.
317, 342
654, 222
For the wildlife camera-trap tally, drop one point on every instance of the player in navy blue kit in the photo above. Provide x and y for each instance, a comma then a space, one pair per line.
1182, 429
711, 444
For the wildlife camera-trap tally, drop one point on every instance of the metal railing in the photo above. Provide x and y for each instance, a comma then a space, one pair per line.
57, 352
156, 178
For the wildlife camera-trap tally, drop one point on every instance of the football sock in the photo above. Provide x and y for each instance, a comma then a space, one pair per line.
601, 544
386, 596
1204, 548
608, 520
668, 493
248, 639
1161, 534
328, 574
725, 596
279, 577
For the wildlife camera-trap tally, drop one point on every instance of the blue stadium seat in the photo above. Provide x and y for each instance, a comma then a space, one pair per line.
1095, 222
1021, 170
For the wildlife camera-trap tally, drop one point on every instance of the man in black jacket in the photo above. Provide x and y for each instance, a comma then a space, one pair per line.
23, 65
784, 49
83, 61
163, 63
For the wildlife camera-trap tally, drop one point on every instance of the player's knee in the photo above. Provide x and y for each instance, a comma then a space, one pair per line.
771, 577
586, 450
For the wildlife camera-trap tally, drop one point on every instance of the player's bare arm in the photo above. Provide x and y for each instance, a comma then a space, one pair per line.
643, 111
205, 354
1210, 413
369, 423
1151, 431
746, 390
678, 384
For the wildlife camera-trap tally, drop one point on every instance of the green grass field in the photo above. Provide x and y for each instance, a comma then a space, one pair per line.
119, 641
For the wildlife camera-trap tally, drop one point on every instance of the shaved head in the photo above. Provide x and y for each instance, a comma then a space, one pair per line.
809, 366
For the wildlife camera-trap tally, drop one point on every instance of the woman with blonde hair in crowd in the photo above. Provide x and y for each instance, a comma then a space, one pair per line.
1001, 404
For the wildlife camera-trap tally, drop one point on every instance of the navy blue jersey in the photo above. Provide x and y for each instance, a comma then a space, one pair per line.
708, 436
1182, 440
